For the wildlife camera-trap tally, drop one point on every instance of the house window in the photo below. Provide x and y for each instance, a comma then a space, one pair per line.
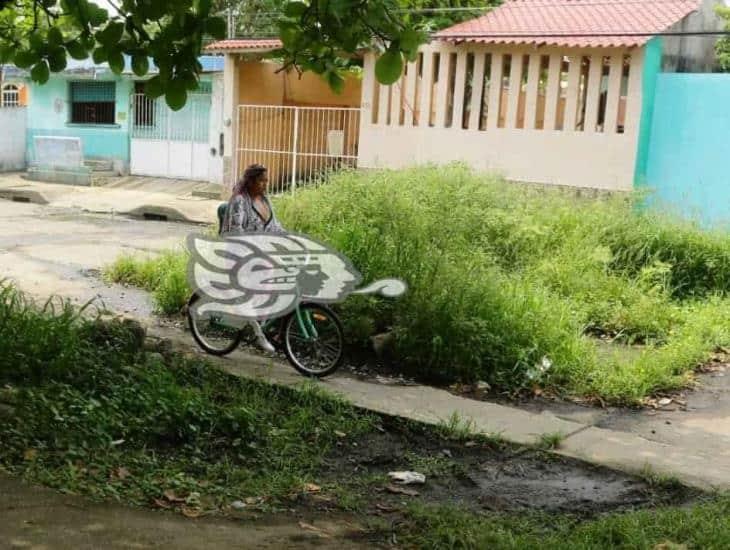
93, 102
10, 96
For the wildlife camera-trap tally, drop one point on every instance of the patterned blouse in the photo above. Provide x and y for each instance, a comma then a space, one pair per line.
242, 216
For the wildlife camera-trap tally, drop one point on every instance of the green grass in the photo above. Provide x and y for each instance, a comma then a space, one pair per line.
88, 402
510, 284
94, 415
703, 526
163, 275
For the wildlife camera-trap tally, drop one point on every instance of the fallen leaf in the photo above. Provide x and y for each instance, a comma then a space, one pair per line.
162, 504
313, 529
664, 401
312, 488
470, 444
190, 512
253, 500
172, 497
30, 454
668, 545
340, 434
401, 491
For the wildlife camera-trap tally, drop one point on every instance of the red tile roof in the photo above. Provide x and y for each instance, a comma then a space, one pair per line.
598, 23
244, 44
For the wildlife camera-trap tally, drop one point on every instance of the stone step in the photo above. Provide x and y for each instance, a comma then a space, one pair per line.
99, 165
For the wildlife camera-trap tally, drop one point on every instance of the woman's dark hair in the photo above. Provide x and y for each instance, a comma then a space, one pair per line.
250, 176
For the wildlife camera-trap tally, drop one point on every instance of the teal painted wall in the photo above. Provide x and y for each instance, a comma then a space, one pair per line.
49, 114
688, 163
651, 68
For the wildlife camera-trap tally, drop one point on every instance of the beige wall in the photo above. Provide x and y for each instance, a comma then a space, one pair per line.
544, 130
269, 129
261, 84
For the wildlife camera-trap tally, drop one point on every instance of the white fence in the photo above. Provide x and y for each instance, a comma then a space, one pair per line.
299, 145
543, 115
12, 138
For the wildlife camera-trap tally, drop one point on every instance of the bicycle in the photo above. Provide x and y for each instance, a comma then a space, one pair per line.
311, 337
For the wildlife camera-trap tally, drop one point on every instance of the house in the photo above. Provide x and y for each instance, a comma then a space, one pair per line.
13, 91
544, 91
120, 130
13, 99
293, 123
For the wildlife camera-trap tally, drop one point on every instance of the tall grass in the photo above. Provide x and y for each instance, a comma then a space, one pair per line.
507, 283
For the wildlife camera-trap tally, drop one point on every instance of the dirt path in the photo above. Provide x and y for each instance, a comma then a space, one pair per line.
40, 519
51, 251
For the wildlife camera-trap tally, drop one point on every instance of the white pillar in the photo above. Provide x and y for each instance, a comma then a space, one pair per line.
230, 122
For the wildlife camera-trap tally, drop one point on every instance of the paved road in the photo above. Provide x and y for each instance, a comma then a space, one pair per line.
59, 251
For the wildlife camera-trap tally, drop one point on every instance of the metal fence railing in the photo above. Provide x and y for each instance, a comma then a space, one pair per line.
299, 145
153, 119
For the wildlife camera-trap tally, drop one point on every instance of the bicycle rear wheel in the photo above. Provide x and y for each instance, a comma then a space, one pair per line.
211, 334
314, 340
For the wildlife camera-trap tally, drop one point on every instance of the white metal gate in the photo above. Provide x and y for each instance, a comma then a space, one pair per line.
299, 145
167, 143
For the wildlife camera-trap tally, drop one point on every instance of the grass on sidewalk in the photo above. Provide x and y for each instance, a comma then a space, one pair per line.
512, 285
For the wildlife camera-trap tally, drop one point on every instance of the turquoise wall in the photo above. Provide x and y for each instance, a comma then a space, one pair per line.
688, 163
49, 114
651, 67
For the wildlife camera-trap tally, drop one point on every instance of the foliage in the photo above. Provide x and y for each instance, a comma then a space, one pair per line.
722, 47
512, 285
40, 35
88, 402
258, 18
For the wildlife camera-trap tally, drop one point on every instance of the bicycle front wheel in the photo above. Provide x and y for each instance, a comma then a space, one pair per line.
314, 340
211, 333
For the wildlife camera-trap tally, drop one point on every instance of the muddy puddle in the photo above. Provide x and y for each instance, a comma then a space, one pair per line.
483, 475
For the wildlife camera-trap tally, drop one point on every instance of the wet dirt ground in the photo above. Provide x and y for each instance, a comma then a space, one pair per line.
487, 475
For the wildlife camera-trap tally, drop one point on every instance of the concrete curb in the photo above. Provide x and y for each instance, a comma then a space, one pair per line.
622, 451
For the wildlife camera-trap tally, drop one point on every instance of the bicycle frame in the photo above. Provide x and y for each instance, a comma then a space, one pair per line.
304, 320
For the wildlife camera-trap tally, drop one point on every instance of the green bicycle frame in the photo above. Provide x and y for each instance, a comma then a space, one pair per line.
304, 320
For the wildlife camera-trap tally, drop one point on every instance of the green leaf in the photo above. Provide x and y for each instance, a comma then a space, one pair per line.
77, 50
116, 62
140, 64
112, 34
216, 27
55, 37
97, 15
295, 9
153, 87
410, 39
336, 81
389, 67
57, 60
40, 73
190, 80
25, 58
6, 53
176, 95
99, 55
203, 7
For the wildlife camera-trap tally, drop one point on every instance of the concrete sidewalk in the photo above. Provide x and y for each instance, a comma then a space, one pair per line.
151, 198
